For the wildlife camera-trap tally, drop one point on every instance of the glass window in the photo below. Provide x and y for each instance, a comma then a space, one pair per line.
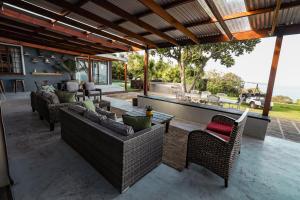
82, 65
11, 61
100, 71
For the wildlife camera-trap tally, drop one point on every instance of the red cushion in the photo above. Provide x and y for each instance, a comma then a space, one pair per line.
224, 129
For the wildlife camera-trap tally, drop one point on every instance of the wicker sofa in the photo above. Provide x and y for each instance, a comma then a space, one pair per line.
122, 160
47, 110
216, 151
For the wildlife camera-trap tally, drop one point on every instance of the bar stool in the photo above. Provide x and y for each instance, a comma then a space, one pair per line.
2, 88
17, 82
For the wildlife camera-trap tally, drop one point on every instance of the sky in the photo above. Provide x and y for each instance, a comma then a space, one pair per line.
255, 67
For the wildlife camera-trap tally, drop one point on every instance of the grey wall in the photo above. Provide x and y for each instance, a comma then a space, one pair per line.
40, 67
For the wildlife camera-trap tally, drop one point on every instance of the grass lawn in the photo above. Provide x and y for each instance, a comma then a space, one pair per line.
280, 110
122, 84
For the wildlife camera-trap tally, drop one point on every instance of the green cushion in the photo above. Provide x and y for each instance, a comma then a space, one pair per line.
66, 97
137, 122
89, 104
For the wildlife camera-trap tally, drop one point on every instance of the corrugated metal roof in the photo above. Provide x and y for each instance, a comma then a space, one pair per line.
46, 5
131, 6
205, 30
133, 27
189, 13
155, 21
256, 4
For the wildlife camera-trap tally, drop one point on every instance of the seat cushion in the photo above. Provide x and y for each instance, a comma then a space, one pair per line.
224, 137
94, 117
138, 123
72, 86
94, 92
117, 127
77, 109
224, 129
89, 86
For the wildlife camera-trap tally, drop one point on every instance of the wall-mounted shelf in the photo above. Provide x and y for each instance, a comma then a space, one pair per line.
46, 74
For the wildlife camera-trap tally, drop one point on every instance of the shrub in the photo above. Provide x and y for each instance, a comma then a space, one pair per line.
282, 99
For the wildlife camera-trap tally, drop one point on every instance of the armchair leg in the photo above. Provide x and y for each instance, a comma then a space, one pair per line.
51, 126
226, 183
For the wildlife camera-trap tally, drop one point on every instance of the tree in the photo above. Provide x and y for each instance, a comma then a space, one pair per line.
118, 70
197, 56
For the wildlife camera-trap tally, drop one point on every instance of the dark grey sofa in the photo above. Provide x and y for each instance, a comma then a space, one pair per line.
47, 110
122, 160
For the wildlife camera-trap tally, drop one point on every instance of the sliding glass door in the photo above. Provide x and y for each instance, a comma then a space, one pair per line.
100, 72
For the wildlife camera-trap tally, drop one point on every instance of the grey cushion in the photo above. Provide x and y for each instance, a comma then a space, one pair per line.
93, 116
108, 114
72, 86
89, 86
117, 127
77, 109
52, 97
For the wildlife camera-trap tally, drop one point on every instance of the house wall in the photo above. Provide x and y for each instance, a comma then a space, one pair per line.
41, 66
256, 125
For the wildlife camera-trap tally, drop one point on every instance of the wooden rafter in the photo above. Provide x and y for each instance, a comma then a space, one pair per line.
275, 17
157, 9
24, 18
43, 30
212, 6
238, 15
52, 15
118, 11
89, 15
166, 6
51, 39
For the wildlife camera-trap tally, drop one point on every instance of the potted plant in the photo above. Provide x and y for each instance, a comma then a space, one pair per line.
70, 64
149, 111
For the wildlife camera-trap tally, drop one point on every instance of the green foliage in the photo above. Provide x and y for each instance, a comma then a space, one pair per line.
171, 74
118, 70
135, 65
196, 57
282, 99
298, 101
70, 65
228, 83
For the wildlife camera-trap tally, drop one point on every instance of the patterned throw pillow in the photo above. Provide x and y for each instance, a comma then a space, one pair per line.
66, 97
108, 114
93, 116
138, 123
47, 88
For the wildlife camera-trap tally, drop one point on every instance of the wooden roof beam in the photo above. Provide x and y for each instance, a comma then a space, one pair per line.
212, 6
157, 9
166, 6
89, 15
52, 15
37, 46
275, 17
283, 6
118, 11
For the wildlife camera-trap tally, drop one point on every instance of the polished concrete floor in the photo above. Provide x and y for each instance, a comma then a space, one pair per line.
44, 167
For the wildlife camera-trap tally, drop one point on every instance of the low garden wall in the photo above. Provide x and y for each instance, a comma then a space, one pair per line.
256, 125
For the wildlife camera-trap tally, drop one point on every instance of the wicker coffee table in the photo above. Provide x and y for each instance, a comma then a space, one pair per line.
157, 118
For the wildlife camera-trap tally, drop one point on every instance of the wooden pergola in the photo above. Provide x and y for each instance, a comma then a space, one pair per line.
90, 27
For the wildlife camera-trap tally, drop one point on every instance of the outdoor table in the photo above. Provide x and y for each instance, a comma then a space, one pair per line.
157, 118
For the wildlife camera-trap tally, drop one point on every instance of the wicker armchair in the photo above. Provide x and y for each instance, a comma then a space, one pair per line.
74, 86
215, 151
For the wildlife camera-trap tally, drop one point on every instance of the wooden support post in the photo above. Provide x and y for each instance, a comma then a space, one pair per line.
272, 75
146, 61
125, 76
89, 69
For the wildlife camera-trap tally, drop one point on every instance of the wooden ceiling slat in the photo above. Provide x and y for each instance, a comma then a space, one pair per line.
157, 9
52, 15
118, 11
275, 17
212, 6
89, 15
